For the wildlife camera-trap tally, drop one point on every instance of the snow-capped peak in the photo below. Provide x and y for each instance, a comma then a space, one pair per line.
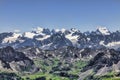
29, 34
55, 30
45, 36
103, 30
58, 30
74, 30
38, 30
63, 30
12, 38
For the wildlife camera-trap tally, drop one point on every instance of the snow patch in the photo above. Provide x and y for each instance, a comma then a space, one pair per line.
74, 30
104, 30
29, 34
47, 46
88, 39
57, 30
11, 39
63, 30
45, 37
101, 43
72, 38
114, 45
38, 30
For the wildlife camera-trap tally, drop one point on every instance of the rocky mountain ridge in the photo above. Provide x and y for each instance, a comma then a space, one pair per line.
64, 53
47, 39
15, 61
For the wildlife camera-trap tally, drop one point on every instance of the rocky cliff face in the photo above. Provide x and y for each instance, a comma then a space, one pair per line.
105, 62
15, 61
99, 62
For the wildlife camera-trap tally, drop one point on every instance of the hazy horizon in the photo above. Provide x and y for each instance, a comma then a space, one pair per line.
57, 14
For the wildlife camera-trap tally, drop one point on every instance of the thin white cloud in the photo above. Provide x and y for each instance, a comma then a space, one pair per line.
17, 30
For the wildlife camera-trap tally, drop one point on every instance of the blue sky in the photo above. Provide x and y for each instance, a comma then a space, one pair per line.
82, 14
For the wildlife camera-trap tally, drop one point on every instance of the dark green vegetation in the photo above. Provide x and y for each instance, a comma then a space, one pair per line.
104, 66
48, 65
9, 76
55, 69
63, 64
50, 69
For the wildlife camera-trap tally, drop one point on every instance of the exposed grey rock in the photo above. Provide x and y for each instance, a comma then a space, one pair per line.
57, 39
103, 63
14, 60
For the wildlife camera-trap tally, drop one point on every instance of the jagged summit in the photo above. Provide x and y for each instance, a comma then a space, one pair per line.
55, 38
74, 30
40, 30
103, 30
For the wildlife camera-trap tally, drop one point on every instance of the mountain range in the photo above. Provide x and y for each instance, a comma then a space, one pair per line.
45, 54
53, 39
